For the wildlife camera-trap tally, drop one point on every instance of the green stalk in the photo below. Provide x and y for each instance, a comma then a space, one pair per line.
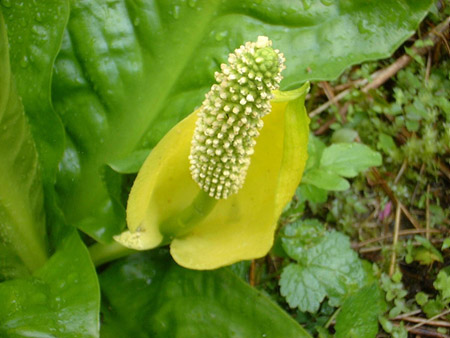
183, 222
175, 226
104, 253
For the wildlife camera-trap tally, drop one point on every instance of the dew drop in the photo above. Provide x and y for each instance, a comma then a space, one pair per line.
192, 3
176, 12
219, 36
24, 62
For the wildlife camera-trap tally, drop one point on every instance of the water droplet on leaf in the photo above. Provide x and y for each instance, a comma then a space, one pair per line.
24, 62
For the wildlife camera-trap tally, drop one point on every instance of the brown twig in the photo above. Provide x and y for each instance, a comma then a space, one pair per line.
393, 198
395, 240
381, 76
251, 273
426, 321
409, 314
428, 69
427, 213
324, 127
445, 170
328, 90
380, 247
421, 332
401, 171
400, 233
327, 104
440, 323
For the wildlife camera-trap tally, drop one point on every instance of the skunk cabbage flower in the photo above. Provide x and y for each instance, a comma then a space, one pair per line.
216, 184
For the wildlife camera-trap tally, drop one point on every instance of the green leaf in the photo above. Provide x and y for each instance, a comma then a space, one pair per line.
35, 30
309, 192
326, 180
315, 150
359, 313
442, 284
433, 307
446, 243
130, 70
61, 300
426, 253
298, 237
349, 159
344, 135
386, 143
421, 298
328, 268
148, 295
131, 163
22, 219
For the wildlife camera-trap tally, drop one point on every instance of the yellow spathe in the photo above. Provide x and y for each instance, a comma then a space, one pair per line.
240, 227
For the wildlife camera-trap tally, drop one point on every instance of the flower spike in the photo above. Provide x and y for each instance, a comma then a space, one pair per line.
230, 117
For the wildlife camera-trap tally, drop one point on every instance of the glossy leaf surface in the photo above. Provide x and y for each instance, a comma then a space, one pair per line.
61, 300
22, 219
148, 295
35, 31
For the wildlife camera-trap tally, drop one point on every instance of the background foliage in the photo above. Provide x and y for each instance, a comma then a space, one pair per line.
87, 88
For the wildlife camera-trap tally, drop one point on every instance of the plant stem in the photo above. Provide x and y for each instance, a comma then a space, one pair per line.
181, 223
104, 253
175, 226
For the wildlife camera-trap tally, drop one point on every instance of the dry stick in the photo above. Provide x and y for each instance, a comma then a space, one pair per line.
421, 332
427, 214
378, 248
412, 313
400, 233
441, 323
342, 111
401, 171
394, 242
445, 170
329, 92
380, 77
393, 198
252, 273
426, 321
428, 69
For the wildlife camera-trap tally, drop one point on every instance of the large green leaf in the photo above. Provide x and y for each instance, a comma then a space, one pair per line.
148, 295
22, 219
129, 70
35, 30
61, 300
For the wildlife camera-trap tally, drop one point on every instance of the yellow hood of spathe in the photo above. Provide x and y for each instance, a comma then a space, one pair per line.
240, 227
